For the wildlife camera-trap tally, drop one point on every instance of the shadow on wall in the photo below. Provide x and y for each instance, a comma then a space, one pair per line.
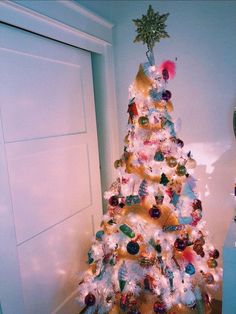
216, 178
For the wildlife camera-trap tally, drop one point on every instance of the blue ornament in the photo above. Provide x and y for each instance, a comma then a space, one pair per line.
132, 248
159, 156
190, 269
174, 199
155, 95
143, 188
99, 235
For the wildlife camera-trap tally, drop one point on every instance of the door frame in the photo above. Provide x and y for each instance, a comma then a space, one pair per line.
68, 22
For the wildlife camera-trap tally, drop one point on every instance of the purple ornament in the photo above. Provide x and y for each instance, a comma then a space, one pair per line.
155, 212
159, 307
90, 299
166, 95
214, 254
180, 244
165, 74
113, 201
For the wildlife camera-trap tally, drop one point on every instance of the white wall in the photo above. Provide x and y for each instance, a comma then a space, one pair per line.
203, 39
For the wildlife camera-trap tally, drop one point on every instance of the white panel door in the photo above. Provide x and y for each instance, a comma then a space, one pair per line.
50, 199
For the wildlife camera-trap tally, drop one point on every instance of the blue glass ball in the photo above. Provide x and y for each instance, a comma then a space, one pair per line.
159, 156
190, 269
132, 248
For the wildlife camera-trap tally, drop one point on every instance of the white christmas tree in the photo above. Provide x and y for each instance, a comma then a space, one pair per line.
152, 253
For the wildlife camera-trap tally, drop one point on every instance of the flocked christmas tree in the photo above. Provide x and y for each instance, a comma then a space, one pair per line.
152, 253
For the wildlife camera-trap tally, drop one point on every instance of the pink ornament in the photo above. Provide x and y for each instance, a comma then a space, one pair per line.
170, 67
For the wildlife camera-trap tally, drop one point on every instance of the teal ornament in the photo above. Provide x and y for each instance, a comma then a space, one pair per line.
99, 235
133, 248
122, 276
155, 95
174, 199
164, 180
190, 269
132, 200
187, 191
90, 258
159, 156
143, 189
185, 220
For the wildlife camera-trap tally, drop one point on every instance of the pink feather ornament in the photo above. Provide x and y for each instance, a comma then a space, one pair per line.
169, 66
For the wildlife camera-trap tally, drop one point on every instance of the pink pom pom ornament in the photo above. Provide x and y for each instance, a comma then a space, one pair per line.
168, 66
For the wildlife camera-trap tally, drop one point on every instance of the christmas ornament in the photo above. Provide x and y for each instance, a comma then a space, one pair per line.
165, 74
199, 300
173, 228
143, 189
133, 248
113, 201
90, 299
164, 180
159, 307
90, 257
214, 254
118, 163
143, 121
146, 261
190, 269
99, 235
132, 110
127, 231
208, 277
132, 200
122, 276
180, 244
148, 283
191, 163
159, 199
155, 212
169, 274
171, 162
169, 67
181, 170
188, 298
166, 95
159, 156
212, 263
197, 204
155, 95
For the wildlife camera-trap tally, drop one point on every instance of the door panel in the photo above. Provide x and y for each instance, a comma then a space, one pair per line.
46, 182
51, 163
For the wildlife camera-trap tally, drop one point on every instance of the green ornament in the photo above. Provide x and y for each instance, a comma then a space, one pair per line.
127, 231
181, 170
164, 180
143, 121
159, 156
171, 162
